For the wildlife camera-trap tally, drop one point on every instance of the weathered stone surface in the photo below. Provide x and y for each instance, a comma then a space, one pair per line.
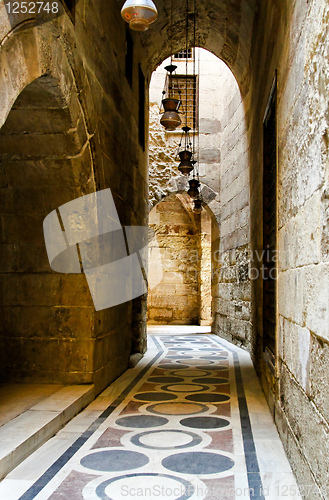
210, 156
209, 126
308, 427
79, 80
319, 375
175, 299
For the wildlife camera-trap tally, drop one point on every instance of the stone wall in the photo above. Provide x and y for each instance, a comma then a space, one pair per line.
297, 36
205, 269
49, 329
44, 315
231, 284
176, 299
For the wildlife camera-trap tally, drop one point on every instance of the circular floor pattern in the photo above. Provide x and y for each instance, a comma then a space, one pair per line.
179, 356
198, 462
182, 408
172, 351
172, 366
192, 373
199, 361
160, 440
207, 423
114, 460
214, 358
213, 367
155, 396
211, 350
209, 397
141, 421
165, 380
142, 486
210, 380
185, 388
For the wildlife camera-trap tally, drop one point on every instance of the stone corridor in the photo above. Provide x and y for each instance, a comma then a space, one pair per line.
189, 421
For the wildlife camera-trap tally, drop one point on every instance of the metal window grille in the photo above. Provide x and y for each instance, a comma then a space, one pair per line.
182, 54
189, 98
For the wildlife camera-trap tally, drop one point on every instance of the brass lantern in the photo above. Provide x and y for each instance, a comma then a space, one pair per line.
185, 165
185, 152
197, 206
170, 119
139, 14
193, 192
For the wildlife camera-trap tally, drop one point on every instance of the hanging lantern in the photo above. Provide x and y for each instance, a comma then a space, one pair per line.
185, 152
170, 118
185, 165
197, 206
193, 192
139, 14
170, 105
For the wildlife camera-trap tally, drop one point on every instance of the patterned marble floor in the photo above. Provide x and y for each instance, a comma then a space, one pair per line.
188, 422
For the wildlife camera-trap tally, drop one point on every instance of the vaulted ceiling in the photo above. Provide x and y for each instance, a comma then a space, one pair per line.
224, 27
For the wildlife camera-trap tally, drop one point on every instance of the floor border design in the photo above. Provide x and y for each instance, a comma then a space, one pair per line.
253, 472
50, 473
252, 465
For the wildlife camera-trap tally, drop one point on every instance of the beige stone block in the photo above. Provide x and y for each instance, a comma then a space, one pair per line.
38, 121
155, 313
236, 204
316, 299
299, 240
319, 375
115, 344
49, 322
221, 306
296, 346
49, 360
40, 145
32, 289
291, 286
224, 291
308, 426
75, 291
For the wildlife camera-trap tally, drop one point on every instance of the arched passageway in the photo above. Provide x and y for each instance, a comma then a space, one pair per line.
257, 40
183, 243
46, 318
221, 139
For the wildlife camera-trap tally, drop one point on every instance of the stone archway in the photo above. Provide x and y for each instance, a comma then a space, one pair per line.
47, 318
224, 175
183, 241
52, 53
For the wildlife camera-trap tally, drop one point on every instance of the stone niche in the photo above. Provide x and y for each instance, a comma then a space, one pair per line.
183, 240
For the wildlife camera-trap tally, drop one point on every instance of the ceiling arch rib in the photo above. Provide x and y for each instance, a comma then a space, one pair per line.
224, 27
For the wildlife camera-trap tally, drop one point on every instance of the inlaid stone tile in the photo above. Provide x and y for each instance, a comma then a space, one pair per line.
179, 424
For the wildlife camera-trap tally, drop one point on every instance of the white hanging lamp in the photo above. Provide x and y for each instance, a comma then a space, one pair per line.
139, 14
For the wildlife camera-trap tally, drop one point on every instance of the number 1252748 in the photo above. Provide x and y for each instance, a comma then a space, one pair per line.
32, 7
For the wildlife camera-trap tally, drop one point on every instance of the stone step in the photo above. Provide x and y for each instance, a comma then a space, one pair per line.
24, 434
